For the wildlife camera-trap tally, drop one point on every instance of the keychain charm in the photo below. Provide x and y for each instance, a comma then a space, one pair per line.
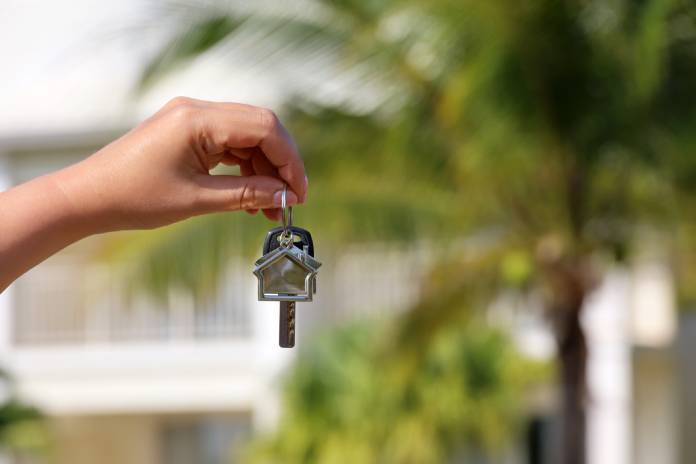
287, 271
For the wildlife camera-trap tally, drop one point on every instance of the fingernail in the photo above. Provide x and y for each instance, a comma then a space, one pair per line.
306, 189
290, 198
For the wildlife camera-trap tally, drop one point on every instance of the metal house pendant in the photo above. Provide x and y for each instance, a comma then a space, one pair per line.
286, 274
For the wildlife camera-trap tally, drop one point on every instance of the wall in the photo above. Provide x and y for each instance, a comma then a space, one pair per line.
686, 376
655, 408
148, 439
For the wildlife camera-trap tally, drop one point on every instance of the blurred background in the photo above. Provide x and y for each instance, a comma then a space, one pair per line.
501, 192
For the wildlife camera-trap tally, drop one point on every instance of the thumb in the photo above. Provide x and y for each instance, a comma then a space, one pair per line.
231, 193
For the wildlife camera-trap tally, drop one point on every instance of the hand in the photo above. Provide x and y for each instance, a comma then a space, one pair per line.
158, 173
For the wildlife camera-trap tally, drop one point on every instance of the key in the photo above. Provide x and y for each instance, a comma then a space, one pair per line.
301, 238
286, 326
287, 272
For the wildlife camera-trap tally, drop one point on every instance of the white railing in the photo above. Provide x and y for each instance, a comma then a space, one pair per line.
60, 303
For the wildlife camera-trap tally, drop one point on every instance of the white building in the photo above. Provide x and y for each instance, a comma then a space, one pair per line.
150, 383
134, 382
146, 381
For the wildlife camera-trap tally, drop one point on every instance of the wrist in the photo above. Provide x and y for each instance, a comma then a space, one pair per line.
37, 220
83, 208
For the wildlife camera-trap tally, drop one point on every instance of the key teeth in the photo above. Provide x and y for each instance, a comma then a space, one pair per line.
287, 324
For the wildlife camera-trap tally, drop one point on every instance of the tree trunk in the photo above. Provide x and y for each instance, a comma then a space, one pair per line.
572, 352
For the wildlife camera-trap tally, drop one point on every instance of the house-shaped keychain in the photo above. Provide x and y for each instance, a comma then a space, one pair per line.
286, 274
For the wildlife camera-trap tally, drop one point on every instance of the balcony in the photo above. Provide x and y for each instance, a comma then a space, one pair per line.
78, 346
63, 302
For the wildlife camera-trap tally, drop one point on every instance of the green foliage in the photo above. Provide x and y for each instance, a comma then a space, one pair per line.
192, 254
22, 428
566, 119
187, 44
555, 130
352, 397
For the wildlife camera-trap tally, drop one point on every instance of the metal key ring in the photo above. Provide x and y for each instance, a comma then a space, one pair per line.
287, 210
287, 215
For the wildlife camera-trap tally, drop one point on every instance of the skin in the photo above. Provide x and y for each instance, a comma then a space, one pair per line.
156, 174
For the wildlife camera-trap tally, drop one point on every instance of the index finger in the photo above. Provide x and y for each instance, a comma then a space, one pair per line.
280, 149
234, 125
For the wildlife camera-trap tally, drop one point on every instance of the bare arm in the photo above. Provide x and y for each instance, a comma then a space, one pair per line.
156, 174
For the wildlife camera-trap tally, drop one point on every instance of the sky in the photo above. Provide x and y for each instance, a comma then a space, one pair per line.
60, 69
71, 66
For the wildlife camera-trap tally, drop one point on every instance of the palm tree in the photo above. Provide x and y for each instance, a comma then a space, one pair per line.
558, 129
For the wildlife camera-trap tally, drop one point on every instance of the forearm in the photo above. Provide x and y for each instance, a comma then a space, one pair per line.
37, 219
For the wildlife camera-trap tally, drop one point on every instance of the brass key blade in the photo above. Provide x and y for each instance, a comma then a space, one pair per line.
286, 335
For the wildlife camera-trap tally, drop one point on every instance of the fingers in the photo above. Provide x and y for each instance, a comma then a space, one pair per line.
243, 153
258, 164
281, 151
246, 169
263, 167
242, 127
230, 160
231, 193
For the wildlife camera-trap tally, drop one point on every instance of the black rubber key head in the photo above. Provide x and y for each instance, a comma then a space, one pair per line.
301, 238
